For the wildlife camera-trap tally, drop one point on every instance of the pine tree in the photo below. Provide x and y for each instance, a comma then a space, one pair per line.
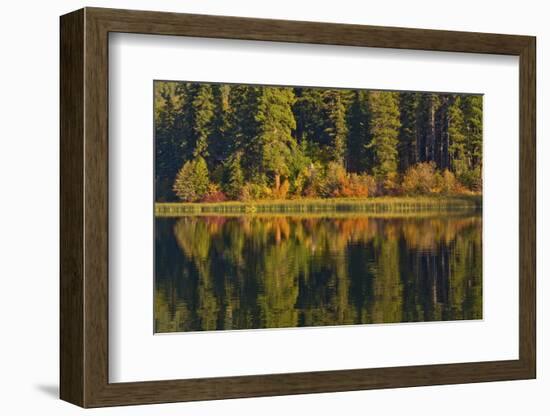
442, 140
256, 138
192, 181
384, 132
408, 134
358, 130
335, 130
308, 113
218, 140
472, 108
235, 177
457, 138
202, 107
276, 123
169, 144
426, 144
243, 128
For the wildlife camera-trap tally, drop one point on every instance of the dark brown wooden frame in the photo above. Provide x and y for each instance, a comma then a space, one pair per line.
84, 209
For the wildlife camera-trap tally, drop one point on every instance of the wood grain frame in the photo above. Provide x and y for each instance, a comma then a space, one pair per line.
84, 207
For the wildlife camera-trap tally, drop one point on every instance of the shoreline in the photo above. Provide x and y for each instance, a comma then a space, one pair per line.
375, 205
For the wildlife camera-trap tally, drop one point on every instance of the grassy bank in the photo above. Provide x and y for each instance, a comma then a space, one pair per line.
381, 205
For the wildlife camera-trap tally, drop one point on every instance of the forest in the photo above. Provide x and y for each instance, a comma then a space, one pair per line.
235, 142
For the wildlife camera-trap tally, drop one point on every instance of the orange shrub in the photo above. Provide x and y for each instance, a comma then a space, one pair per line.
420, 179
282, 192
447, 183
357, 185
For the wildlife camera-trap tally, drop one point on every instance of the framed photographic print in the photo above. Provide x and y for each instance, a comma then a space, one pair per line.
256, 207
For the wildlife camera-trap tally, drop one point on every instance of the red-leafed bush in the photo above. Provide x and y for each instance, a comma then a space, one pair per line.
214, 195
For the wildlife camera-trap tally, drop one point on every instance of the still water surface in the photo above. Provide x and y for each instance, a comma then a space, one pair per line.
247, 271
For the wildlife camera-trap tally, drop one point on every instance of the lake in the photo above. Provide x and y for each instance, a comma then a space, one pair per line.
250, 271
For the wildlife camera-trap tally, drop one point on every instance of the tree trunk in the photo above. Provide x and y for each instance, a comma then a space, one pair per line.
277, 181
430, 137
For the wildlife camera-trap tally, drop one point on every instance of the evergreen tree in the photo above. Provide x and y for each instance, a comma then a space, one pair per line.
408, 134
235, 177
169, 143
335, 130
218, 140
192, 181
202, 111
358, 131
457, 138
472, 108
308, 113
243, 129
261, 138
426, 144
276, 123
384, 131
442, 138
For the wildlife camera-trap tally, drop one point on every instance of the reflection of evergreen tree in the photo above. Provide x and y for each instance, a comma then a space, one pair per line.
254, 272
387, 288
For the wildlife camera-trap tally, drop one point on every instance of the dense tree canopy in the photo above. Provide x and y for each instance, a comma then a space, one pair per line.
254, 142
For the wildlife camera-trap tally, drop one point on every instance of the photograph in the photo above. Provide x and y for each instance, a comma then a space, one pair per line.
293, 206
257, 204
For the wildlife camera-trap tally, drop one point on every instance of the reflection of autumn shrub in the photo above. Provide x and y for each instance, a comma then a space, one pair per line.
420, 179
214, 194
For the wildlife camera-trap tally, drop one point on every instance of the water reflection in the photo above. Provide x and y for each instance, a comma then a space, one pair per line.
245, 272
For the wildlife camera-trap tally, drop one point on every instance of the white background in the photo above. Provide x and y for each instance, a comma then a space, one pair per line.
311, 349
29, 221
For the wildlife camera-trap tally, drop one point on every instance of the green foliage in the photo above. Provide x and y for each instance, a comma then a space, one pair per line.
457, 138
308, 112
472, 179
202, 105
384, 131
218, 140
472, 108
192, 181
244, 128
254, 191
312, 140
169, 150
235, 177
408, 134
358, 133
335, 129
276, 123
